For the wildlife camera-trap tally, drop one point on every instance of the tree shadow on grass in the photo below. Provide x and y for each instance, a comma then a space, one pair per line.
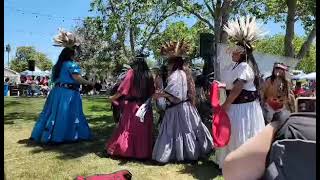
12, 118
100, 108
11, 103
77, 149
202, 170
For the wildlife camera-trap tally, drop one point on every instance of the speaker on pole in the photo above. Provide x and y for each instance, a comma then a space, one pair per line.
207, 45
31, 65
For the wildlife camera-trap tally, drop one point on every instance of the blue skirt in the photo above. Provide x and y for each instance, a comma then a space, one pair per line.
62, 118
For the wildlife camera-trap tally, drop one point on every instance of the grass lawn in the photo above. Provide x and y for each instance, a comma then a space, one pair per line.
26, 162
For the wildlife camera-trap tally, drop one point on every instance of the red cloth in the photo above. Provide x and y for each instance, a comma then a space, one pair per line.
119, 175
275, 104
300, 91
131, 138
221, 127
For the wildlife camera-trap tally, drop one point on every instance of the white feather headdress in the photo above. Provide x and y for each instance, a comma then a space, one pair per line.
244, 30
66, 39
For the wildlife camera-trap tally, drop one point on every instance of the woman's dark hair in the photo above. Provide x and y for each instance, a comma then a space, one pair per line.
143, 80
249, 58
164, 74
64, 56
178, 64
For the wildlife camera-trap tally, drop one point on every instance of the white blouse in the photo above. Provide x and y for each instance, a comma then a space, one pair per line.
241, 71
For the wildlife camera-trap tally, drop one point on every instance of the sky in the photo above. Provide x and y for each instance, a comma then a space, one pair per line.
36, 22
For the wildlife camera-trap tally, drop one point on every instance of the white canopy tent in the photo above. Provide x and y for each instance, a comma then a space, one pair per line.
11, 74
36, 72
310, 76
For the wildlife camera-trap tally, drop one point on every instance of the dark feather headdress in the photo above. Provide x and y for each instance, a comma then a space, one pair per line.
174, 49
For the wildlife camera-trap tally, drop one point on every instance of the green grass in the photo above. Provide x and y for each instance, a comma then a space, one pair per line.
23, 161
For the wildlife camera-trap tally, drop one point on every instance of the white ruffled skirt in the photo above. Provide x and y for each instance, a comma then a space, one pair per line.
246, 121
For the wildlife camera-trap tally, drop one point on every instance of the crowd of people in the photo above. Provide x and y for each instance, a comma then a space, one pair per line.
250, 105
36, 85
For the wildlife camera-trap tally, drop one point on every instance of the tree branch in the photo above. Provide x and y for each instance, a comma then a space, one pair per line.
161, 19
209, 8
198, 16
306, 45
213, 5
122, 36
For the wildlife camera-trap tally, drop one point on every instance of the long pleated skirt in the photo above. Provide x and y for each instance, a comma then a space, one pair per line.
246, 121
62, 119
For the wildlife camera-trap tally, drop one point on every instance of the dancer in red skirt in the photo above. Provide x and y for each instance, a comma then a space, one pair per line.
133, 138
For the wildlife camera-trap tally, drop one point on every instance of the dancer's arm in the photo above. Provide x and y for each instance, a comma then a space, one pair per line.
81, 80
236, 90
115, 96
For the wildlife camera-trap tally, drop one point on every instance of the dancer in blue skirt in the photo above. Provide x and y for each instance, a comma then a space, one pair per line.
62, 119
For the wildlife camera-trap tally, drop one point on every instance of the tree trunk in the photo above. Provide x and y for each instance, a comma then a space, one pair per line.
288, 46
223, 34
132, 44
306, 45
217, 22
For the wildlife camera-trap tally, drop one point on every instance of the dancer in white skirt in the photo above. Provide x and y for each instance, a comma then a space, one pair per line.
242, 84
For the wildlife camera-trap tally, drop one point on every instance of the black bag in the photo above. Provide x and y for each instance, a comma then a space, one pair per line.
293, 153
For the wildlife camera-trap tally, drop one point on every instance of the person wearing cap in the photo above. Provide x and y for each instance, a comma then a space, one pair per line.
182, 135
276, 95
242, 79
133, 138
62, 119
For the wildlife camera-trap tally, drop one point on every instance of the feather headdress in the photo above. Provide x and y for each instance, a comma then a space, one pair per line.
66, 39
174, 49
244, 31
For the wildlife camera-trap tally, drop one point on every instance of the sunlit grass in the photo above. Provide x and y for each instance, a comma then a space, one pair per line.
25, 162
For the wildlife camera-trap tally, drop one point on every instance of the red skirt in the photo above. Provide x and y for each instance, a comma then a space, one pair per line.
131, 138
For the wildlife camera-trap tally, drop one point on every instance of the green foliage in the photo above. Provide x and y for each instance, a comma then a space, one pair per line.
26, 53
178, 31
99, 50
274, 45
277, 10
133, 23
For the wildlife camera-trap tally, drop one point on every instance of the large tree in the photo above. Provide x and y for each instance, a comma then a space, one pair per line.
100, 54
214, 13
133, 23
26, 53
288, 12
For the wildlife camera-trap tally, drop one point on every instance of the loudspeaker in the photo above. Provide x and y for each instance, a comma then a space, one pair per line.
207, 45
31, 65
